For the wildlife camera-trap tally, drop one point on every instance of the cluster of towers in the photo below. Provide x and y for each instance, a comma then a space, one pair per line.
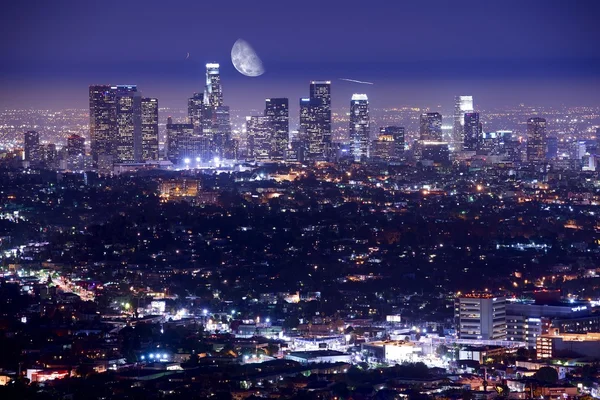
124, 129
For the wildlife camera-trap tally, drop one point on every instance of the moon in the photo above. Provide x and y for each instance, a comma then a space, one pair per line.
245, 59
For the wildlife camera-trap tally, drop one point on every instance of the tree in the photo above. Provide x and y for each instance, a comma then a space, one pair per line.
546, 375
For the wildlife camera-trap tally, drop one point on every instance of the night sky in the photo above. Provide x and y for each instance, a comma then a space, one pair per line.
418, 53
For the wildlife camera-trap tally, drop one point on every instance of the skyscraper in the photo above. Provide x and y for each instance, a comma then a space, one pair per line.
149, 129
213, 94
182, 144
315, 120
462, 106
389, 146
536, 140
258, 129
195, 111
277, 110
473, 132
32, 147
75, 145
103, 123
359, 126
129, 123
431, 127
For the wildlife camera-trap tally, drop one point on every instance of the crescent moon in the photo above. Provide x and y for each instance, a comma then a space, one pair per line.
245, 59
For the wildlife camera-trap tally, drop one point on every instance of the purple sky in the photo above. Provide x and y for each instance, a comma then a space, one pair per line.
417, 52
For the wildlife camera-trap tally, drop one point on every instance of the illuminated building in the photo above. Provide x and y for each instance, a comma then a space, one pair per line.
552, 147
149, 129
128, 103
102, 124
258, 129
195, 111
75, 145
213, 93
481, 317
432, 151
473, 132
175, 188
430, 127
278, 112
389, 146
182, 144
315, 120
462, 106
536, 140
555, 344
359, 126
32, 147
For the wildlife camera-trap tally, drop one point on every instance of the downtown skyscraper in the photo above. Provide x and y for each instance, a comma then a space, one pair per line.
536, 140
430, 127
462, 106
116, 125
216, 124
259, 133
473, 132
315, 120
277, 110
149, 129
360, 127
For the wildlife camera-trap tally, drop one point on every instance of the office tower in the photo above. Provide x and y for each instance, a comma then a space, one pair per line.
75, 145
213, 94
129, 123
258, 129
195, 111
431, 127
103, 121
462, 105
182, 144
552, 147
481, 317
221, 132
315, 120
149, 129
473, 132
277, 110
389, 146
50, 155
32, 147
359, 126
536, 140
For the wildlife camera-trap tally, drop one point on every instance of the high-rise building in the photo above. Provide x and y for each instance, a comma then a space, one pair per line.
481, 317
149, 129
103, 123
221, 132
359, 126
315, 120
389, 146
462, 105
129, 123
195, 111
259, 133
431, 127
473, 132
75, 145
32, 147
213, 93
182, 144
536, 140
277, 110
552, 147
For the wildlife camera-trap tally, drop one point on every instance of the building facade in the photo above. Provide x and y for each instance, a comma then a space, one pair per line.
360, 126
